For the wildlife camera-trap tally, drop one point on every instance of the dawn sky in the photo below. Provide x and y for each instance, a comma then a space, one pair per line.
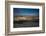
25, 12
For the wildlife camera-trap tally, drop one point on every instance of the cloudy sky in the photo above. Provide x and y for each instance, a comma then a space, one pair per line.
25, 12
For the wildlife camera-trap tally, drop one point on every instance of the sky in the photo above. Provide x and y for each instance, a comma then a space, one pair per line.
25, 12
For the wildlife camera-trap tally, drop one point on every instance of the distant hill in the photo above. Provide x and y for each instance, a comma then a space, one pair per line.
18, 18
